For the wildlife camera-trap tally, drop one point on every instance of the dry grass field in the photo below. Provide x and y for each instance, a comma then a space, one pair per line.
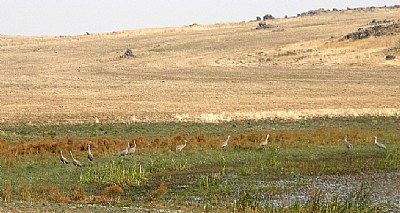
212, 73
223, 79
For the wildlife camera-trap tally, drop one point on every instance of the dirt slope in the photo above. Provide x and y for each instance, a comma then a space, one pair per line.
301, 68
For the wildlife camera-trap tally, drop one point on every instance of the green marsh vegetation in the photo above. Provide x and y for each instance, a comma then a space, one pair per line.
294, 172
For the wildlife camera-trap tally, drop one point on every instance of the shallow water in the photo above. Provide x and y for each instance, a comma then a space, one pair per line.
382, 189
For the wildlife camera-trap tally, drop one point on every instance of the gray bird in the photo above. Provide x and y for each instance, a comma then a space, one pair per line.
378, 144
225, 144
124, 152
264, 143
131, 151
62, 158
74, 161
180, 147
347, 143
90, 155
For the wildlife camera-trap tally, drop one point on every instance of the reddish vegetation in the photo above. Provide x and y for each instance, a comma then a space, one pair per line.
113, 191
111, 146
161, 190
53, 194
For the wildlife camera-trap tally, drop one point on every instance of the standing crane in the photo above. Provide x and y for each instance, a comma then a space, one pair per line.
379, 144
265, 143
131, 151
62, 158
74, 161
90, 155
347, 143
225, 144
180, 147
124, 152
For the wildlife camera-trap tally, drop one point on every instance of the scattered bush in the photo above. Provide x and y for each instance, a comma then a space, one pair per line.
267, 17
128, 53
390, 57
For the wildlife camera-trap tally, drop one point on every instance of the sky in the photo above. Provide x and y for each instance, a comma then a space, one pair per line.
76, 17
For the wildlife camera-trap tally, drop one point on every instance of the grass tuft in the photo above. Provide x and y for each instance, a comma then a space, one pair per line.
392, 158
160, 191
113, 191
25, 192
54, 195
7, 191
78, 194
115, 173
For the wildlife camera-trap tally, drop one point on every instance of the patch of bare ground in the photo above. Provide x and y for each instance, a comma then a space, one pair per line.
204, 73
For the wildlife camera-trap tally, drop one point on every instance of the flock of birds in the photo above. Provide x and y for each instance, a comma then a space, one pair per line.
128, 151
376, 142
131, 150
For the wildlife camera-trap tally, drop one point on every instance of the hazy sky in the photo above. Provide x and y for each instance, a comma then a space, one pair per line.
72, 17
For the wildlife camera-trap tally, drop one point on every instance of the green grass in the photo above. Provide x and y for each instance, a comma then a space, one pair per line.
23, 132
205, 179
117, 173
213, 176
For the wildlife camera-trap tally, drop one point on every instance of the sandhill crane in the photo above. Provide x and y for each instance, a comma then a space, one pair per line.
264, 143
180, 147
378, 144
74, 161
124, 152
62, 158
90, 155
226, 142
132, 150
347, 143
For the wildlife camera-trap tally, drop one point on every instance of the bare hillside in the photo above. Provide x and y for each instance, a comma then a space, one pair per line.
301, 67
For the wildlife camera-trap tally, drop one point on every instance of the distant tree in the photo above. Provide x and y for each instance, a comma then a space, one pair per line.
268, 16
258, 18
